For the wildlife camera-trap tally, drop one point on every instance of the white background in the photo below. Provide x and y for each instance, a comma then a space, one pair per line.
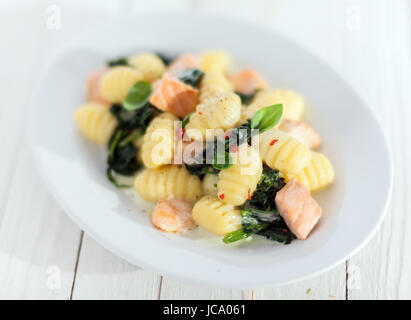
43, 254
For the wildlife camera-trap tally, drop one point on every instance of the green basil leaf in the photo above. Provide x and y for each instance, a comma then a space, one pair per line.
186, 120
267, 117
228, 163
122, 61
137, 96
191, 77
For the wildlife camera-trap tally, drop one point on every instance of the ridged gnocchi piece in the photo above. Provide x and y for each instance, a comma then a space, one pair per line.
215, 61
95, 122
213, 84
158, 141
221, 112
209, 184
117, 81
237, 183
216, 216
280, 151
166, 182
318, 174
149, 64
293, 103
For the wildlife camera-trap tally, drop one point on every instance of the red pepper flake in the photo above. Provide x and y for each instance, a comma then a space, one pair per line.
221, 196
227, 135
232, 148
285, 230
273, 141
180, 132
249, 194
200, 113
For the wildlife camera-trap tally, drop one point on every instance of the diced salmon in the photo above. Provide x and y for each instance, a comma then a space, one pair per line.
173, 215
93, 87
183, 62
247, 81
301, 131
173, 95
299, 210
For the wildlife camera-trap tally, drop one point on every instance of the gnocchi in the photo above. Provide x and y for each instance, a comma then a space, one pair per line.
220, 150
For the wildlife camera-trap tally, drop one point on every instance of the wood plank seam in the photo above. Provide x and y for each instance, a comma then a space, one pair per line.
346, 280
159, 288
77, 263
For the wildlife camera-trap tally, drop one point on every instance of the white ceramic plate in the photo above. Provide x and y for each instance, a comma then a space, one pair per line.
75, 169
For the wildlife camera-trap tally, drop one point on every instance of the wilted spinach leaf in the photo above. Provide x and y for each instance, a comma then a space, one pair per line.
122, 61
279, 234
135, 119
236, 236
191, 77
264, 196
165, 58
242, 134
122, 154
246, 98
259, 214
199, 167
222, 161
186, 120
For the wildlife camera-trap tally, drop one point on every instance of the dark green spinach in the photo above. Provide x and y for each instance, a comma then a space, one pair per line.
122, 61
122, 152
191, 77
122, 155
264, 196
186, 120
246, 98
135, 119
222, 161
259, 214
167, 59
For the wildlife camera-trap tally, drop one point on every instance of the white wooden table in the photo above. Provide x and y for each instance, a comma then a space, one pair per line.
44, 255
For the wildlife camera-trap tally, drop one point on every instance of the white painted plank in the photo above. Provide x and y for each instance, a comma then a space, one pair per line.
103, 275
327, 286
38, 243
381, 270
174, 290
